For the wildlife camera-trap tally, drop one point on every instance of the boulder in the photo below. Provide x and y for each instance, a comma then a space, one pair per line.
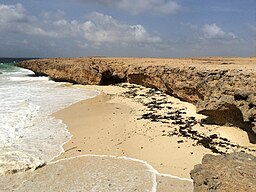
229, 173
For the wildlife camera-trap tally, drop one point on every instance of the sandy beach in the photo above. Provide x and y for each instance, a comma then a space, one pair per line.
109, 124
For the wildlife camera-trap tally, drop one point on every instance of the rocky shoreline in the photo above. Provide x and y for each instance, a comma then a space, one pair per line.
224, 89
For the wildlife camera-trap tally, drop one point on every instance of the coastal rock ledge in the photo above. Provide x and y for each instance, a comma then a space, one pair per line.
231, 172
224, 89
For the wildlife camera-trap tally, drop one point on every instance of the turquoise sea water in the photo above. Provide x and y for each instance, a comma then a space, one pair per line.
29, 135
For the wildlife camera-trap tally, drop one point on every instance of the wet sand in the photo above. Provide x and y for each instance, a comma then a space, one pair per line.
94, 173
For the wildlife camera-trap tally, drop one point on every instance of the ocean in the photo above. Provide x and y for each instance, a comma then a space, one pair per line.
29, 135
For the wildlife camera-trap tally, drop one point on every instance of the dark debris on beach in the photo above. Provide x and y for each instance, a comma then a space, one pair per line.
178, 124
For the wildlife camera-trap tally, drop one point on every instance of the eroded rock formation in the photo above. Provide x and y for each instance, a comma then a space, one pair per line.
222, 88
231, 172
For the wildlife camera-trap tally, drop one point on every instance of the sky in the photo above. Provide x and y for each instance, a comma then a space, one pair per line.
127, 28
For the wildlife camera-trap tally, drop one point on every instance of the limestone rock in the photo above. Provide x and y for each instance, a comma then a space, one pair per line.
232, 172
222, 88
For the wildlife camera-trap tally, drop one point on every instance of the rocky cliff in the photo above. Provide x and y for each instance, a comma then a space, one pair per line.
232, 172
222, 88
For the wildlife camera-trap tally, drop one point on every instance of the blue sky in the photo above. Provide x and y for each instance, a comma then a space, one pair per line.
139, 28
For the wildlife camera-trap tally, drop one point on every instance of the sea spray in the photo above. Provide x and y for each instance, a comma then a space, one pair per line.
29, 135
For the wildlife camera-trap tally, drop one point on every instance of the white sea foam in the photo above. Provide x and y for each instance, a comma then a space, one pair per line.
29, 136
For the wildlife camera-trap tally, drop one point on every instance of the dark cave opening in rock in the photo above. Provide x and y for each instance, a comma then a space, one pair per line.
231, 115
108, 78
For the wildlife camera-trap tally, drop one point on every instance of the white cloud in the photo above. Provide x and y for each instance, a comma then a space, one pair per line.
100, 29
12, 13
212, 31
59, 14
13, 18
25, 42
105, 29
138, 6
